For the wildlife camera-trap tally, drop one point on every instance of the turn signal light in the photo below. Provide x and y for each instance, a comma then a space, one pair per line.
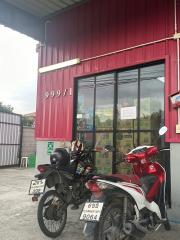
41, 168
93, 186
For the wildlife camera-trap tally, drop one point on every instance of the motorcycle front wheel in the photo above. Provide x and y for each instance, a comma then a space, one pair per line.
52, 214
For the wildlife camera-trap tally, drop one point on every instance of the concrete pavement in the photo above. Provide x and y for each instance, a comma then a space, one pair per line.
18, 219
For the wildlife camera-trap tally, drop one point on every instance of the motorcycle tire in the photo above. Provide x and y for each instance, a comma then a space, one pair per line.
41, 216
167, 225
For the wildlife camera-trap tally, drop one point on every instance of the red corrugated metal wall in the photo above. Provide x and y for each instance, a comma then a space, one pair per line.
95, 28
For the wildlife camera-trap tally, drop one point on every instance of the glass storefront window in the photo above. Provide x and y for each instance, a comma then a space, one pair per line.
152, 97
86, 138
151, 138
103, 161
146, 138
125, 142
139, 112
127, 100
104, 102
85, 104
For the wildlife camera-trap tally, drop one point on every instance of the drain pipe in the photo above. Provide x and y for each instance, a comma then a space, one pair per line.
177, 37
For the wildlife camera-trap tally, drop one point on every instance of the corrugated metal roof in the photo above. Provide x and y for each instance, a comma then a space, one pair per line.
43, 8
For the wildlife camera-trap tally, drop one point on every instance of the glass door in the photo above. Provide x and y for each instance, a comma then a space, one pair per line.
127, 116
85, 110
151, 103
122, 108
104, 120
95, 116
140, 107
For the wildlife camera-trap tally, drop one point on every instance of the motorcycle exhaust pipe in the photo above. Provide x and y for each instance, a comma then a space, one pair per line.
134, 229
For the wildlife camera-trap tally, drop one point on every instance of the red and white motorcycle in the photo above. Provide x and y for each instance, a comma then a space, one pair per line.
128, 206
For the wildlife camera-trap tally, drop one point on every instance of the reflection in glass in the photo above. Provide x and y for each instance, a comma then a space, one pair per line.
127, 100
104, 102
148, 138
151, 139
85, 104
125, 142
86, 138
152, 97
104, 160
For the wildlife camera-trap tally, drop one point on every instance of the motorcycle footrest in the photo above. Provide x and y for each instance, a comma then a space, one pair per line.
162, 221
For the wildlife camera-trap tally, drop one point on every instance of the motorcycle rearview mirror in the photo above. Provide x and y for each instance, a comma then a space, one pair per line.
162, 130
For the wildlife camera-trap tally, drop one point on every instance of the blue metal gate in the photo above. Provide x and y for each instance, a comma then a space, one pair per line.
10, 139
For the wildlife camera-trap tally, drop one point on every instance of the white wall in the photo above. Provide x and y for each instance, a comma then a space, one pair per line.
41, 150
174, 213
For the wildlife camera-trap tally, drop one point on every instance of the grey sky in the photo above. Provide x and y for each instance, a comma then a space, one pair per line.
18, 70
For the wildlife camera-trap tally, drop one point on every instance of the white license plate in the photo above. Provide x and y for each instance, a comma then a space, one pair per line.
37, 187
92, 211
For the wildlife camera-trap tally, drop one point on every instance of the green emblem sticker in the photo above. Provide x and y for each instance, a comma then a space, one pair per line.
50, 147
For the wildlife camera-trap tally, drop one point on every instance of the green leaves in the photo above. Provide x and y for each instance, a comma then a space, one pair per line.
6, 108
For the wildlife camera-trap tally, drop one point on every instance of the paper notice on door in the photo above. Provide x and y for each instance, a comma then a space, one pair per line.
128, 113
79, 116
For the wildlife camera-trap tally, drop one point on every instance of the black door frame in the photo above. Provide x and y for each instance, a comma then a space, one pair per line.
114, 131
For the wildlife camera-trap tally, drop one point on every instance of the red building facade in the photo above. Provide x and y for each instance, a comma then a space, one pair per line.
110, 37
105, 35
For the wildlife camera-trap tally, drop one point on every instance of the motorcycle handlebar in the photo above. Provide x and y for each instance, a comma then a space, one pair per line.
164, 149
101, 149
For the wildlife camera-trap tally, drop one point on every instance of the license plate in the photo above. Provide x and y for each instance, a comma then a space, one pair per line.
92, 211
37, 187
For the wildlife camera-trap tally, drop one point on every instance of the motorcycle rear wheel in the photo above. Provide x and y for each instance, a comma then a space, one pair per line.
114, 213
51, 218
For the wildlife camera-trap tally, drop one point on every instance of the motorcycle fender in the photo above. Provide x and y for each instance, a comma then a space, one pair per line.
43, 175
138, 196
53, 179
153, 207
51, 176
113, 195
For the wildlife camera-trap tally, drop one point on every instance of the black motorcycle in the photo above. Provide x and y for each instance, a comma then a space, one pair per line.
67, 176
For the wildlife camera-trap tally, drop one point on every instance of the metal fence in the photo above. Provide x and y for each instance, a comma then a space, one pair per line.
10, 139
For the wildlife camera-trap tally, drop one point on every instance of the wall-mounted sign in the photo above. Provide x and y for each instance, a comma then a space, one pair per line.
128, 113
58, 93
177, 128
175, 100
50, 147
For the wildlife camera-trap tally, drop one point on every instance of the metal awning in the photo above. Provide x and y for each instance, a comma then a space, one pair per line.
28, 16
43, 8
